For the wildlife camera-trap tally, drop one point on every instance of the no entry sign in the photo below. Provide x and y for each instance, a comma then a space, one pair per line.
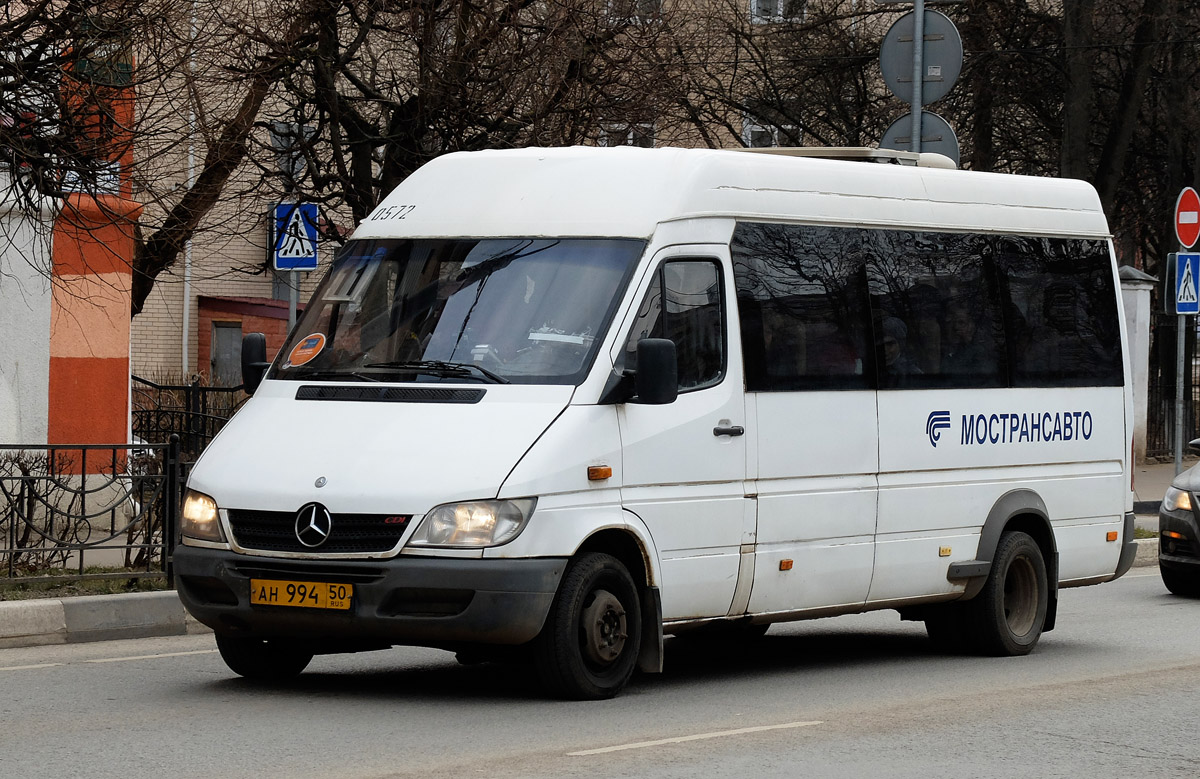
1187, 217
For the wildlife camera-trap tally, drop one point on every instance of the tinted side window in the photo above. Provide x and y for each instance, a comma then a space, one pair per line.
1061, 312
690, 313
935, 317
802, 305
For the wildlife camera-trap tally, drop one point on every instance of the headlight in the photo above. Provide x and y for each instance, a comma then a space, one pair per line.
199, 518
1176, 500
474, 523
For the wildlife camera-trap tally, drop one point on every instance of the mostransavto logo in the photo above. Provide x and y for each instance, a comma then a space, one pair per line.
937, 422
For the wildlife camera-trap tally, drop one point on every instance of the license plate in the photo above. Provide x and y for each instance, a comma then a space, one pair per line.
308, 595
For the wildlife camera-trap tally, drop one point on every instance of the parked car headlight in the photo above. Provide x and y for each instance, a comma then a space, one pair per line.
1177, 500
199, 518
473, 523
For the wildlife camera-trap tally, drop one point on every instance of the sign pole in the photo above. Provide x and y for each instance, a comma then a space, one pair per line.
1180, 337
918, 81
293, 298
1187, 299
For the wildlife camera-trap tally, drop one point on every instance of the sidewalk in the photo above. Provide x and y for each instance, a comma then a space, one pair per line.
146, 614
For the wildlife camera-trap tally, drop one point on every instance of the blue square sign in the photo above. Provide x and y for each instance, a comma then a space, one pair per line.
295, 238
1187, 276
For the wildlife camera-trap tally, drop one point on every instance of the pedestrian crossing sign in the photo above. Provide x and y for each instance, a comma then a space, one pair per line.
294, 243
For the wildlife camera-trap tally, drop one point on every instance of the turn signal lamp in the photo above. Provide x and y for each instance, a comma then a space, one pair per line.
599, 472
1112, 535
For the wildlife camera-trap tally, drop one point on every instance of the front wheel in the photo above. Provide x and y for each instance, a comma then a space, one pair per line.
262, 659
1008, 614
588, 648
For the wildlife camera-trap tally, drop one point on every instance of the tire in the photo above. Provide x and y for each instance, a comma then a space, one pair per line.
1007, 616
589, 646
1185, 584
262, 659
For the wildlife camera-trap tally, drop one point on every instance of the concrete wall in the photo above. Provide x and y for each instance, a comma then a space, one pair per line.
25, 305
1135, 294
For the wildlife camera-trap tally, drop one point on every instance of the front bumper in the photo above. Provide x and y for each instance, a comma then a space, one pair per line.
418, 601
1178, 553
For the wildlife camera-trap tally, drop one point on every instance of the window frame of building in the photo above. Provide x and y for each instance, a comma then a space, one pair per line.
640, 134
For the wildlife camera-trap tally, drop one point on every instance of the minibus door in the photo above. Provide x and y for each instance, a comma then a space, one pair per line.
684, 463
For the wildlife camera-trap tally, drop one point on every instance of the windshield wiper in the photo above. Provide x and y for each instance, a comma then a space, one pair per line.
338, 375
442, 368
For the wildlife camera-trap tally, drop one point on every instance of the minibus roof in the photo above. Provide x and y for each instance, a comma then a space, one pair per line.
627, 191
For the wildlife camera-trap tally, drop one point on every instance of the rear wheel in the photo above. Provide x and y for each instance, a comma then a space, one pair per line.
589, 645
1182, 583
262, 659
1008, 614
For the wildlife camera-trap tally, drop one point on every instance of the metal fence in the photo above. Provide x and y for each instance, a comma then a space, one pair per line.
88, 511
110, 511
1160, 400
193, 412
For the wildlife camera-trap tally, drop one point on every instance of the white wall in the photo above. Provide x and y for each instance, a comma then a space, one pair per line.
1135, 294
24, 321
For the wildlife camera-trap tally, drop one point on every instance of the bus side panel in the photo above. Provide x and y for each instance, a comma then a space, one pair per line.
817, 458
947, 457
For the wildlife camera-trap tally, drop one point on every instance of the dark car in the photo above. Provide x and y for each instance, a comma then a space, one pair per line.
1179, 533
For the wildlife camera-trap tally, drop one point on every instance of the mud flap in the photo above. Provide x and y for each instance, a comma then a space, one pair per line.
650, 657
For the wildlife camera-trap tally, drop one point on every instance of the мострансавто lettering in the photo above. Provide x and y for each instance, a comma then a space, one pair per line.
1037, 427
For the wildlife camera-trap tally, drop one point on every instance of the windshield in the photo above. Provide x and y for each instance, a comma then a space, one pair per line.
516, 310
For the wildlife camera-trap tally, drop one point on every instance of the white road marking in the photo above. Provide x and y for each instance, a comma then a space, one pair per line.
108, 660
151, 657
696, 737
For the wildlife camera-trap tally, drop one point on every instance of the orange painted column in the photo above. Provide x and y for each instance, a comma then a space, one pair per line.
89, 321
92, 255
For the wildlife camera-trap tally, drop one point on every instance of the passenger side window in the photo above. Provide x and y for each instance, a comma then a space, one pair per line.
802, 306
935, 319
1060, 306
684, 304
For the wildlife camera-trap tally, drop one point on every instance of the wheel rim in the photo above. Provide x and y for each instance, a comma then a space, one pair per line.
1020, 596
604, 629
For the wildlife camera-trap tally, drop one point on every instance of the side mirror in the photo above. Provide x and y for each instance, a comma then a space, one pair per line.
254, 361
1194, 446
657, 378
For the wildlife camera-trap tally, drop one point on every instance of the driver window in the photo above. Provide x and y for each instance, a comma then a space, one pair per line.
690, 314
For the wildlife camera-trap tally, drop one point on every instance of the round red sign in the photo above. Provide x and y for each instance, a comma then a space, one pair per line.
1187, 217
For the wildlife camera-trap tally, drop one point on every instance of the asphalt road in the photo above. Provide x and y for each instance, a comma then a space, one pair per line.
1113, 692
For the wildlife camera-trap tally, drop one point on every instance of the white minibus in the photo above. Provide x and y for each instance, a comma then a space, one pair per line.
558, 403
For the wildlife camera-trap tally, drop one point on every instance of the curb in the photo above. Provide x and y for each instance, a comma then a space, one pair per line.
94, 618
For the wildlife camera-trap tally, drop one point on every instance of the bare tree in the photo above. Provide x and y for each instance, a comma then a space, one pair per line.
363, 91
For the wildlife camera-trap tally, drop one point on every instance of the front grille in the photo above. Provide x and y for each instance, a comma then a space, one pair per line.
275, 531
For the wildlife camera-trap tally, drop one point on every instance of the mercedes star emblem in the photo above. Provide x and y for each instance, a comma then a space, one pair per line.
313, 525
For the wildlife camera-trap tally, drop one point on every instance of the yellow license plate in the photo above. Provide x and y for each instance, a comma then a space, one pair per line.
309, 595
